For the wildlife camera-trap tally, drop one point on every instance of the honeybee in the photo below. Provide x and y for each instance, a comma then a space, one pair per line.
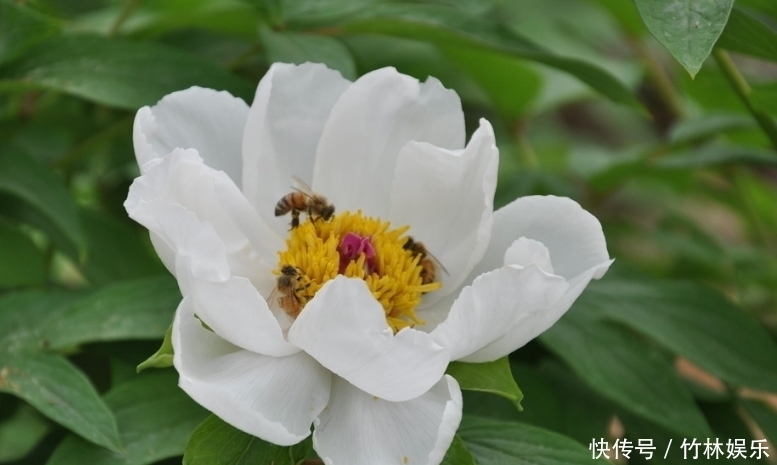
303, 199
287, 290
428, 262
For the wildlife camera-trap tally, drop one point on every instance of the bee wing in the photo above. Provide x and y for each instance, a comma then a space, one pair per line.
434, 260
272, 299
301, 186
437, 262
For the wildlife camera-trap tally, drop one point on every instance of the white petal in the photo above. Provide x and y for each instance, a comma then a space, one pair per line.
194, 213
493, 305
531, 327
525, 252
573, 237
284, 125
358, 429
437, 312
203, 119
370, 123
274, 398
577, 250
182, 179
345, 329
177, 233
236, 311
447, 198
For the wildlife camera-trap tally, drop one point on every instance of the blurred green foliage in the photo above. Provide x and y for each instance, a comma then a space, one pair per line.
678, 340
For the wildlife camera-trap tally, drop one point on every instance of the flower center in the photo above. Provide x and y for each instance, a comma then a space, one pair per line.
352, 247
356, 246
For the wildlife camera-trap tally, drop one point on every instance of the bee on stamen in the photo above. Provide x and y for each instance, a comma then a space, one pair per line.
429, 263
303, 199
288, 292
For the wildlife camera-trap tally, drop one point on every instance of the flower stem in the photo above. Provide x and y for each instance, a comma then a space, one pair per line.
526, 153
661, 81
237, 61
743, 90
761, 230
125, 13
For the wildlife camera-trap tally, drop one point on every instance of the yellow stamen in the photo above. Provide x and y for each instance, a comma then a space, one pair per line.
396, 280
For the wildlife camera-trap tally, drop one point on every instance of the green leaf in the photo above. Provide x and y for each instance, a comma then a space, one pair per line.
155, 419
310, 14
665, 442
764, 7
115, 72
19, 211
711, 91
764, 97
668, 444
270, 10
765, 415
747, 34
511, 85
693, 321
493, 377
215, 442
713, 155
21, 314
30, 321
114, 252
447, 27
61, 392
494, 442
23, 178
557, 399
20, 433
687, 28
230, 17
163, 357
760, 196
708, 125
138, 309
626, 14
21, 28
458, 454
726, 420
293, 47
627, 371
21, 262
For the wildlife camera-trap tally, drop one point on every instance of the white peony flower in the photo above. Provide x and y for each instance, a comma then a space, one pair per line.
364, 359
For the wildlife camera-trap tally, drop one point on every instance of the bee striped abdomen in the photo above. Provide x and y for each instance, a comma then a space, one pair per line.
315, 205
426, 260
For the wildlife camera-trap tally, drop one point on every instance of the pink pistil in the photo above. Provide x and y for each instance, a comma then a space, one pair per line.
351, 247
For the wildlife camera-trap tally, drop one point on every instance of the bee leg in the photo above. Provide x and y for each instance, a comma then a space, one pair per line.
312, 215
294, 219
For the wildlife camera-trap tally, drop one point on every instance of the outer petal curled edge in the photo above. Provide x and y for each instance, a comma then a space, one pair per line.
357, 428
274, 398
345, 329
